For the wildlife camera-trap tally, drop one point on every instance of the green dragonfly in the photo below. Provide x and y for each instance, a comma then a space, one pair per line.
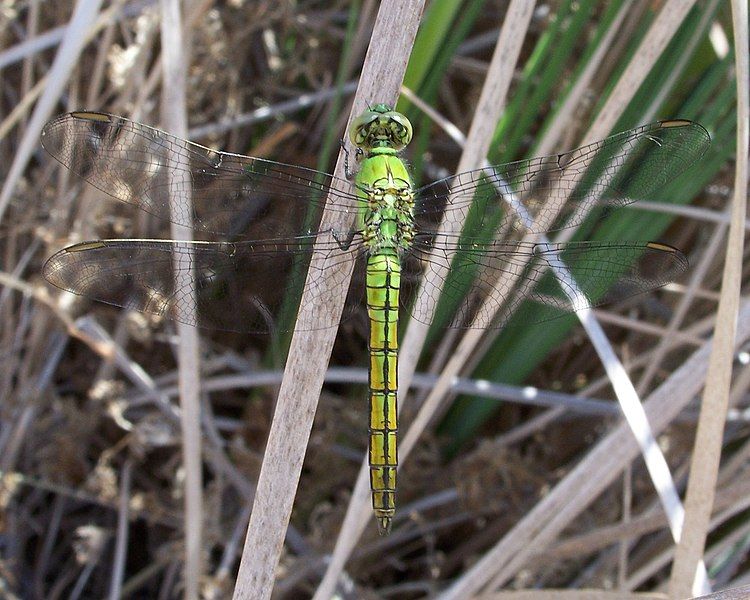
470, 230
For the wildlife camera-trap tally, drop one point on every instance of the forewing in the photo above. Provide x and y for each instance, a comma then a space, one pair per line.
560, 190
239, 286
231, 194
489, 281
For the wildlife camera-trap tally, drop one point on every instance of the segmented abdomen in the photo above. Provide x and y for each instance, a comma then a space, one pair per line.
383, 282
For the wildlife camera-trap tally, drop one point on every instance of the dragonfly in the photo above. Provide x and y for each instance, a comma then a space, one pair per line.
480, 235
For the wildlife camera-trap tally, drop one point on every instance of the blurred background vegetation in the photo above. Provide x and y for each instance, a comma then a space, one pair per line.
274, 79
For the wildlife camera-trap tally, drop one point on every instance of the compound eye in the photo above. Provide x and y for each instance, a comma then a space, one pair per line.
402, 130
358, 130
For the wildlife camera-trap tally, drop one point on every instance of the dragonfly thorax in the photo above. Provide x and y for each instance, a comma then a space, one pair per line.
383, 183
387, 212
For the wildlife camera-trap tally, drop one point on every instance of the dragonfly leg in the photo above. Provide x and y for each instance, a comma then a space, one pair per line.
344, 241
349, 174
358, 154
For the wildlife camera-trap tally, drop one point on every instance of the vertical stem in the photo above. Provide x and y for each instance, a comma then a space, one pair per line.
704, 467
174, 117
382, 73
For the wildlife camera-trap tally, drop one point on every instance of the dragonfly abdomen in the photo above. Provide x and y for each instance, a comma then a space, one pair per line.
383, 283
386, 223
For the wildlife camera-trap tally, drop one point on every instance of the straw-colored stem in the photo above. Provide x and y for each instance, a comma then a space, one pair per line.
174, 116
382, 74
709, 436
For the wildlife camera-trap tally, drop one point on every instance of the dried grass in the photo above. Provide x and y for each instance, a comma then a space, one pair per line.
115, 484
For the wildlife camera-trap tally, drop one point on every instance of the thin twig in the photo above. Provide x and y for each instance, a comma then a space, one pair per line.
121, 543
708, 440
175, 53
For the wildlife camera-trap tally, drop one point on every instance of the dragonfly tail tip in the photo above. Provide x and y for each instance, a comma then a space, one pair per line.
384, 525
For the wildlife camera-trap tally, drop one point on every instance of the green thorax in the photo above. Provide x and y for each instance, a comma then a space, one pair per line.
383, 182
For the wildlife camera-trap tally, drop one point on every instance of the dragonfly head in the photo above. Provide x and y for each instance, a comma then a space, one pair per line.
380, 127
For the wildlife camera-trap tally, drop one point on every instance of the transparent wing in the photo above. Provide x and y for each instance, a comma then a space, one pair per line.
231, 194
559, 190
488, 281
238, 283
243, 286
239, 286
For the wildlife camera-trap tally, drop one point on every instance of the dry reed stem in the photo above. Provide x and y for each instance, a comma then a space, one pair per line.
489, 109
566, 113
123, 522
382, 73
106, 351
698, 33
731, 501
670, 17
709, 436
175, 53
